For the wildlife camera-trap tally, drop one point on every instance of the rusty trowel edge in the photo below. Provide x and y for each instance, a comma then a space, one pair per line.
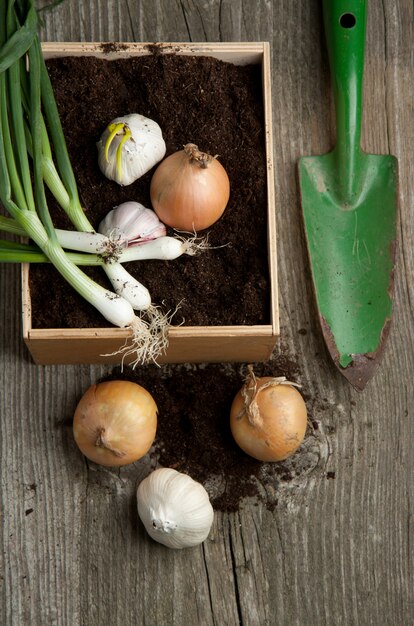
363, 366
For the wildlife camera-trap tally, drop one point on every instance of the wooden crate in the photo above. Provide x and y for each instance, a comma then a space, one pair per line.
186, 344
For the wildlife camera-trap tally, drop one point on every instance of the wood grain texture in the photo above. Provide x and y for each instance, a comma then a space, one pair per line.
338, 548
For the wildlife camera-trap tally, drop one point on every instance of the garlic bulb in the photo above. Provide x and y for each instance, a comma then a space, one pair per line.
174, 508
131, 224
129, 147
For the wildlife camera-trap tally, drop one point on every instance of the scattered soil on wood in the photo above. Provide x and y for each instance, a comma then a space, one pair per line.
217, 106
194, 437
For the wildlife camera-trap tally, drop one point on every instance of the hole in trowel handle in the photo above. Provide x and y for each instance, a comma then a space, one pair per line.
347, 20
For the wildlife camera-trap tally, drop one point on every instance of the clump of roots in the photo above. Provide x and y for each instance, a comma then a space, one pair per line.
195, 244
149, 338
112, 249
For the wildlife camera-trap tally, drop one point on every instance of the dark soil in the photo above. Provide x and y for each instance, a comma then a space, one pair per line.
219, 107
193, 434
201, 100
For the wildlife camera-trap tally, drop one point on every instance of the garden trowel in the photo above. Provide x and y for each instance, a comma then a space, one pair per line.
349, 201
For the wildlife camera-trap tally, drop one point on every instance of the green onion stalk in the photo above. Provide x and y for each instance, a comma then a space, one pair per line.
15, 252
63, 186
23, 95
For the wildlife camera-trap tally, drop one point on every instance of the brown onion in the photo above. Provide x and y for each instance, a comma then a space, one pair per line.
190, 189
115, 422
268, 418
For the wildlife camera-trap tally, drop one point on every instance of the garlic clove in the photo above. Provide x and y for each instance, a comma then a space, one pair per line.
129, 147
131, 223
174, 508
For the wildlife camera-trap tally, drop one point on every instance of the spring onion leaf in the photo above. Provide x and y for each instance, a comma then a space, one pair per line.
21, 40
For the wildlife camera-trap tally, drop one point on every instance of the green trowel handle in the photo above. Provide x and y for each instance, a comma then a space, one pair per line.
345, 35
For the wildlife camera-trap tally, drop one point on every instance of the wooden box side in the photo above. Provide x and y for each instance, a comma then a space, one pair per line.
271, 199
26, 303
191, 344
241, 53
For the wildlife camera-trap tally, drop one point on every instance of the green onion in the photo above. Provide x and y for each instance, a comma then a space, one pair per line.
63, 186
73, 209
9, 225
27, 206
20, 41
123, 283
15, 245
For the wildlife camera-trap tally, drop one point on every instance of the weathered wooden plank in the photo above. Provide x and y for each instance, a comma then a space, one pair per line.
355, 528
159, 20
338, 548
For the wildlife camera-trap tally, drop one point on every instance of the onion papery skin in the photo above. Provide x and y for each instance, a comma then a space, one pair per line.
115, 423
283, 422
188, 196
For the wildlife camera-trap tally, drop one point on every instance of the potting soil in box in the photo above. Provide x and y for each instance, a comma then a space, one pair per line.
219, 107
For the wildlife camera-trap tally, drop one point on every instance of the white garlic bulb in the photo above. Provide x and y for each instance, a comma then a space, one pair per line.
131, 223
174, 508
129, 147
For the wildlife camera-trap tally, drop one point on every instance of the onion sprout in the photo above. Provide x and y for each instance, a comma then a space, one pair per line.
115, 129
